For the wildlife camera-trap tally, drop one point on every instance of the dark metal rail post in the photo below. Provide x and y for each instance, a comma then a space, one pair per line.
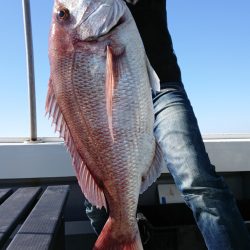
30, 68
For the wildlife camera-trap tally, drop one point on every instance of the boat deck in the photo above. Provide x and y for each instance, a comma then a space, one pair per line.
169, 226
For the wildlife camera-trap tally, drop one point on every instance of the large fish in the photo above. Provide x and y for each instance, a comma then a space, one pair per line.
99, 96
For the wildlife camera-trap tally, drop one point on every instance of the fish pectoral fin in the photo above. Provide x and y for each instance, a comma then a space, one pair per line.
152, 76
110, 82
89, 187
155, 169
112, 71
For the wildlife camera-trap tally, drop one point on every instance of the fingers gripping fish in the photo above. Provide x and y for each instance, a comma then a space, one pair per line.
99, 97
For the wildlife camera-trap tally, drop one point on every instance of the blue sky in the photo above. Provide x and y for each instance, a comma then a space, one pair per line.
211, 40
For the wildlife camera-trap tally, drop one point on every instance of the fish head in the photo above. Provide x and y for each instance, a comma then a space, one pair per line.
83, 20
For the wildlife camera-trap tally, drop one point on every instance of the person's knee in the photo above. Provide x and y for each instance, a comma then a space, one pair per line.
207, 196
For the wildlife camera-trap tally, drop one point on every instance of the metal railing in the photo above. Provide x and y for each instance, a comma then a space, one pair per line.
30, 69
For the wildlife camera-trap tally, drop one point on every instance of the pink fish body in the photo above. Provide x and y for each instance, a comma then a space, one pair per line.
99, 96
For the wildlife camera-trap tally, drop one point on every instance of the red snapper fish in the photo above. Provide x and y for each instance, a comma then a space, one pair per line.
99, 97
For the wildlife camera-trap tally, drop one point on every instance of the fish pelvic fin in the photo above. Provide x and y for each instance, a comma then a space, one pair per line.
107, 241
87, 183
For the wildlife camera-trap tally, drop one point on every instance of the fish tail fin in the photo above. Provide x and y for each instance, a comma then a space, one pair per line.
106, 240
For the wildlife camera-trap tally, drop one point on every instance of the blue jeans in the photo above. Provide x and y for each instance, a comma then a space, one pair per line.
213, 205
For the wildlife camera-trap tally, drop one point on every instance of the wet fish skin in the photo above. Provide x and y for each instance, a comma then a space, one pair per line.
99, 96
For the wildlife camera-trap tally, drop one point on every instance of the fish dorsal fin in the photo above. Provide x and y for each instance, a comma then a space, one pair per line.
87, 183
153, 78
155, 169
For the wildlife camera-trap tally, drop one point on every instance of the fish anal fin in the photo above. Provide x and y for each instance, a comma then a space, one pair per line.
155, 169
89, 186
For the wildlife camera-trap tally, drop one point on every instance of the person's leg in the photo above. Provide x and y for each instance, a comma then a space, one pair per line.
205, 192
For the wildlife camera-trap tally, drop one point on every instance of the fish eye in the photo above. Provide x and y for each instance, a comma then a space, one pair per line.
62, 14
